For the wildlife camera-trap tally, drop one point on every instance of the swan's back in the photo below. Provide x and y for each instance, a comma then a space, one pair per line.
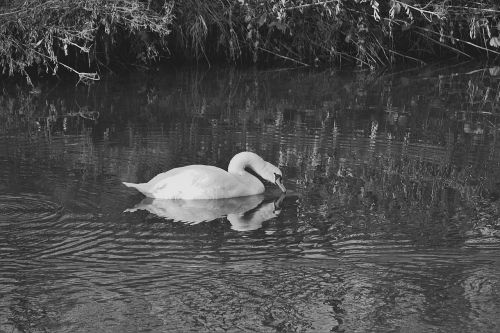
198, 182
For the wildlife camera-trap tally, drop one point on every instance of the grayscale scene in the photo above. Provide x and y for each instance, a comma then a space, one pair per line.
249, 166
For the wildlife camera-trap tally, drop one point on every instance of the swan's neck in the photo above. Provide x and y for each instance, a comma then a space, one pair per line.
252, 161
246, 160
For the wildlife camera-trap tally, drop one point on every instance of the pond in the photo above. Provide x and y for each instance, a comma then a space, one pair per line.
391, 221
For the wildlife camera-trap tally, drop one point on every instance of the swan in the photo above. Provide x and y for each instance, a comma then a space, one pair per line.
209, 182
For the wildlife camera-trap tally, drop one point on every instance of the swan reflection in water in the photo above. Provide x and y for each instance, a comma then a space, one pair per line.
244, 213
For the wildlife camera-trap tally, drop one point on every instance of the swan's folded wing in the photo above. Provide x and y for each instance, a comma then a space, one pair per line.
192, 182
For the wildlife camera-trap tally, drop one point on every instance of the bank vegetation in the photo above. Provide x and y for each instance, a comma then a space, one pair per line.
89, 37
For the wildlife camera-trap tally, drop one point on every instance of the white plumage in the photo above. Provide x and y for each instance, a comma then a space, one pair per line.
209, 182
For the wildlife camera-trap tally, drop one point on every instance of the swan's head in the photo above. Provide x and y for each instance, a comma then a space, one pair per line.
273, 175
265, 169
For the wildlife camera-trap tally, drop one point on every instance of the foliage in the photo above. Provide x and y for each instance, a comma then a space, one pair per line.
74, 34
91, 34
370, 32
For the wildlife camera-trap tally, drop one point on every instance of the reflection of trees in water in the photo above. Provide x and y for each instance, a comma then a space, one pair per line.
419, 186
420, 101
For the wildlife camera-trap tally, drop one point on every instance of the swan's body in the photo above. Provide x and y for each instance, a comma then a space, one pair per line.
209, 182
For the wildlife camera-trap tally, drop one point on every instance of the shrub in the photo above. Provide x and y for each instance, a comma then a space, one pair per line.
78, 35
86, 36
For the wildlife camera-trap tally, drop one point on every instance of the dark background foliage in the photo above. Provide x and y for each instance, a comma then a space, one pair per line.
91, 36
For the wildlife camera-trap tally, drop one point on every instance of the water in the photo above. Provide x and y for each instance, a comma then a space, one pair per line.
391, 222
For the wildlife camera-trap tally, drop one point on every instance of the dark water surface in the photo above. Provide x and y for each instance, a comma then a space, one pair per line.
391, 223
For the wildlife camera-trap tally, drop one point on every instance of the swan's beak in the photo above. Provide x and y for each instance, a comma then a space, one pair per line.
280, 185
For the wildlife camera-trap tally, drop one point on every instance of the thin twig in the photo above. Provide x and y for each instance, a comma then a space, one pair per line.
284, 57
460, 40
311, 4
407, 56
81, 75
454, 49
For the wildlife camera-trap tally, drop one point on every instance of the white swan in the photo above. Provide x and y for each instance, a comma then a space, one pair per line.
209, 182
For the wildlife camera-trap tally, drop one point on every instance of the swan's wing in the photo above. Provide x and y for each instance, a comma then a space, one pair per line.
193, 182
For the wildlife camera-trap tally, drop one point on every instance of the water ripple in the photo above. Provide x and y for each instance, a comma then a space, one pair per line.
27, 208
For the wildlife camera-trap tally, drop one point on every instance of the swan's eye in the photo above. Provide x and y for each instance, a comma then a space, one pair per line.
277, 177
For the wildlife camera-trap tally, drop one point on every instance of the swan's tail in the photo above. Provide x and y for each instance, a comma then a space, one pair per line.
143, 188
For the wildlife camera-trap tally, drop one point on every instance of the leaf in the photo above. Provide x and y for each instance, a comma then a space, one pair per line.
494, 71
397, 8
376, 15
495, 41
405, 26
262, 20
280, 26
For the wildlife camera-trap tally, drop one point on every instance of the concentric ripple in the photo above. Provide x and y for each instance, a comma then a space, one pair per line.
27, 208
